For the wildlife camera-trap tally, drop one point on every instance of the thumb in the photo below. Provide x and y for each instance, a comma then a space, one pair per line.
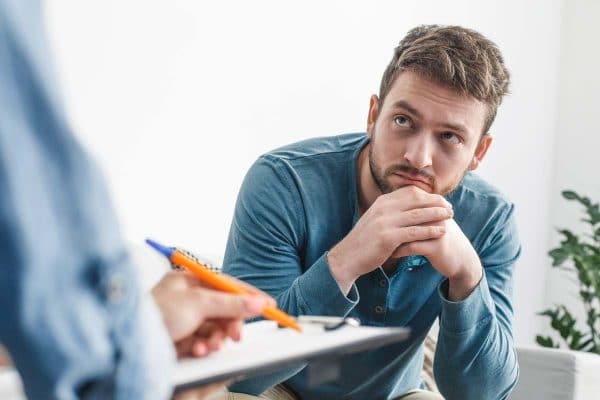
214, 304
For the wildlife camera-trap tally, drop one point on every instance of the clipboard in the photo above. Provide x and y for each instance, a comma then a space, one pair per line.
265, 348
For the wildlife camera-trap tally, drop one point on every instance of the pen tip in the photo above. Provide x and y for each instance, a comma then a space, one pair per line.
166, 251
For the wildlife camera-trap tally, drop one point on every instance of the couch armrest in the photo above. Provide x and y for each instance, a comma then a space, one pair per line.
548, 374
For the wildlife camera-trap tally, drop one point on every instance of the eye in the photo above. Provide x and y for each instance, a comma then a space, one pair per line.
451, 138
401, 120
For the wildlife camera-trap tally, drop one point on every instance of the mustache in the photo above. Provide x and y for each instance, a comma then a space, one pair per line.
411, 172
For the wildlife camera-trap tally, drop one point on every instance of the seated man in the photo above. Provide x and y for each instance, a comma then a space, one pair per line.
393, 228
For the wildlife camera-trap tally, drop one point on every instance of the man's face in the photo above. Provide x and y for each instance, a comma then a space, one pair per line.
425, 135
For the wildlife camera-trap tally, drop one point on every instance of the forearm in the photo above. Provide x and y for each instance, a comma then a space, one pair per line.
475, 356
314, 292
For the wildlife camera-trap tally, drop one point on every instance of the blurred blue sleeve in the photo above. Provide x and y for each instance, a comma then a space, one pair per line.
73, 317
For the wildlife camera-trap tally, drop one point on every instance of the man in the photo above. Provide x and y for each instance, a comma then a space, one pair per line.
73, 319
393, 228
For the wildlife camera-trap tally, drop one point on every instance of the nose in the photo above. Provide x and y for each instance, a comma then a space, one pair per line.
418, 151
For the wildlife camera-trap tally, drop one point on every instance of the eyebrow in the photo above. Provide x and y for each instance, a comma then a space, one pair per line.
403, 104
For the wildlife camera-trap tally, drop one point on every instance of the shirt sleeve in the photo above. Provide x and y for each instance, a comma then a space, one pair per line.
266, 241
74, 319
475, 356
265, 249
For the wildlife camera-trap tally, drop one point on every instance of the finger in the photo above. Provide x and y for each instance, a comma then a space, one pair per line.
216, 340
417, 233
186, 347
231, 327
410, 197
213, 304
252, 289
420, 247
207, 328
234, 330
419, 216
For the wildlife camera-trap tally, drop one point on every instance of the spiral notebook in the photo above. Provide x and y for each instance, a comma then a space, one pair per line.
266, 348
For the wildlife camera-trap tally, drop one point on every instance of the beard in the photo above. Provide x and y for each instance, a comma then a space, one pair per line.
381, 177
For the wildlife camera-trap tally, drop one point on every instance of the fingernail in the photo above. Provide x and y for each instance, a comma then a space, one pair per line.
255, 304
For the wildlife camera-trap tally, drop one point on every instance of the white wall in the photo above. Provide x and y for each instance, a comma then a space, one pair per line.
177, 98
577, 140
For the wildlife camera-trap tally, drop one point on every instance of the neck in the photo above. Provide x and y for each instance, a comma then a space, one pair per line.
367, 188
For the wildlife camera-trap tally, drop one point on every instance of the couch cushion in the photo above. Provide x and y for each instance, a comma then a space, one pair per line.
549, 374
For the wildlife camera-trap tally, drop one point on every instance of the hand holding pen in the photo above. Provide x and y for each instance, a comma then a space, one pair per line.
222, 283
199, 319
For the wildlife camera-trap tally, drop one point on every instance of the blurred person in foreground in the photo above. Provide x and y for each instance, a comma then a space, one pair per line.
74, 320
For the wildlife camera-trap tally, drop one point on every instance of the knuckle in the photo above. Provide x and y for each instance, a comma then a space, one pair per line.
412, 232
417, 214
433, 230
441, 212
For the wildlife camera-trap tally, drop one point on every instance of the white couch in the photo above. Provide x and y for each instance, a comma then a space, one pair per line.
555, 374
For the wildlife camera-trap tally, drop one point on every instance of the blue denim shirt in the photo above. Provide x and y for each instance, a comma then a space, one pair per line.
71, 313
297, 202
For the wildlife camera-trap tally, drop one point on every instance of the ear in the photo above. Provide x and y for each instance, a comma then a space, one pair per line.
484, 144
373, 113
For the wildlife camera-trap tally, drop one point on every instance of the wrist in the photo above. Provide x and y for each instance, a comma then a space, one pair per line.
461, 285
340, 270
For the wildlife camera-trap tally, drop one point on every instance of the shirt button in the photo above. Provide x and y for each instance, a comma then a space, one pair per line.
383, 282
379, 309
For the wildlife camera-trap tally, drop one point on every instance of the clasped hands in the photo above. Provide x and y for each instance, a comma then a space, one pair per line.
408, 221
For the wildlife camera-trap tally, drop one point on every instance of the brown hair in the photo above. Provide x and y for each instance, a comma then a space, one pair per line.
456, 57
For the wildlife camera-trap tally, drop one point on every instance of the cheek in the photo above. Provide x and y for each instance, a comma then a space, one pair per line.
449, 166
388, 150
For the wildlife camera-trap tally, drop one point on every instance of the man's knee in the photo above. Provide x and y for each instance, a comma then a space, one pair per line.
278, 392
420, 395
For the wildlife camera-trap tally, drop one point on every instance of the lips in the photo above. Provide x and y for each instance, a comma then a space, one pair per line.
412, 179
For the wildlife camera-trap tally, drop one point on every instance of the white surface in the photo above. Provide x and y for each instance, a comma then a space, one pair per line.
263, 342
577, 140
177, 98
10, 385
549, 374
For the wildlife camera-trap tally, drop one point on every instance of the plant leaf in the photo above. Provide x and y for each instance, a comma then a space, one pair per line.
570, 195
545, 341
558, 255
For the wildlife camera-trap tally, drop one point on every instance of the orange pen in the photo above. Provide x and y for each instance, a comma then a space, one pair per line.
219, 282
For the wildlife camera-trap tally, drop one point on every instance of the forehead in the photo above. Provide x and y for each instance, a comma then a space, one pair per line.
434, 103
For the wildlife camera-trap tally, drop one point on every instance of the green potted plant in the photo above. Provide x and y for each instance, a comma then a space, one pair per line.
579, 254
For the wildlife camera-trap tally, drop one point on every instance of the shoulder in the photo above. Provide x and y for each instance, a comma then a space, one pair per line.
329, 147
481, 209
474, 191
